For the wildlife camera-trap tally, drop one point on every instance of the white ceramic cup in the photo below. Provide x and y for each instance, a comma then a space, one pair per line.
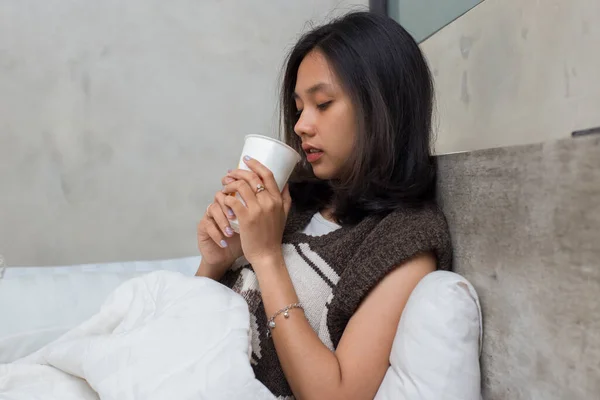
277, 156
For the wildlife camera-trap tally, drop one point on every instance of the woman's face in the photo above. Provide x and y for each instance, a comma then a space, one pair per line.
326, 123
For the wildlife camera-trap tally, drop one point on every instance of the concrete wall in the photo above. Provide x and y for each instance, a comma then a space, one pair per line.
117, 119
516, 71
524, 222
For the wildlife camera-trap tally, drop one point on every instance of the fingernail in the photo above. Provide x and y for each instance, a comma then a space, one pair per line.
229, 171
230, 213
223, 243
229, 180
228, 231
246, 158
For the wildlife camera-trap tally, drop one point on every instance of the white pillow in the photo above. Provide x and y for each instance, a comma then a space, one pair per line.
39, 304
436, 351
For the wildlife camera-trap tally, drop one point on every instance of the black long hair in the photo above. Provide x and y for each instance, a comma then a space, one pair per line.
382, 69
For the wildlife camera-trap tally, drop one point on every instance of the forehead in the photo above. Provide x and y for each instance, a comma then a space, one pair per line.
314, 69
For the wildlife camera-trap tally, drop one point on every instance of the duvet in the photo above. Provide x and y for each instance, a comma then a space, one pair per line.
159, 336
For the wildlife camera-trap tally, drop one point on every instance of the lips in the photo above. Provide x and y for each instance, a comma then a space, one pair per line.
312, 157
312, 153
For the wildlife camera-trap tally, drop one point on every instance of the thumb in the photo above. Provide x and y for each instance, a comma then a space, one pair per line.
287, 199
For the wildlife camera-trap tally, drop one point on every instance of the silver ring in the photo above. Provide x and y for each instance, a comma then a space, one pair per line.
259, 188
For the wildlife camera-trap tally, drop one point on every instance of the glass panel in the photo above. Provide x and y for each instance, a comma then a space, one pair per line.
422, 18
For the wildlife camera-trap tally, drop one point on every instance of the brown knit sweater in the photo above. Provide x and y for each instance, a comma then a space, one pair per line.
333, 273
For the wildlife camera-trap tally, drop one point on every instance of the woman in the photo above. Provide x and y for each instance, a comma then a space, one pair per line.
329, 263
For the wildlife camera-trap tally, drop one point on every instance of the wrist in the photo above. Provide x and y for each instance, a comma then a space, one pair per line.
270, 261
212, 271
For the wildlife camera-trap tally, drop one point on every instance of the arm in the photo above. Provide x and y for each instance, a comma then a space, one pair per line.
357, 368
211, 271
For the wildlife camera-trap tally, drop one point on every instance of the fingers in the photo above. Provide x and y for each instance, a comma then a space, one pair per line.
265, 174
247, 193
236, 205
228, 212
209, 225
226, 180
250, 177
216, 214
220, 197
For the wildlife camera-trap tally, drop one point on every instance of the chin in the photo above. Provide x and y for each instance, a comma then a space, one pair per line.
323, 173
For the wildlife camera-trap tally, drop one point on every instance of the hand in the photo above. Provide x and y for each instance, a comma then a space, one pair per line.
262, 220
219, 245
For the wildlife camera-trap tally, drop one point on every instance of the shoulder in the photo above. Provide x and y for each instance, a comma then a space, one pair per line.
423, 218
424, 226
402, 235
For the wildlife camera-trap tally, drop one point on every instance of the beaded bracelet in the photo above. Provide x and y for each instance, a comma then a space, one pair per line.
285, 310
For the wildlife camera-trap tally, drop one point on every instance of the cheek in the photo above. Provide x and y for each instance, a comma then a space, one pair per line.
343, 127
347, 136
342, 150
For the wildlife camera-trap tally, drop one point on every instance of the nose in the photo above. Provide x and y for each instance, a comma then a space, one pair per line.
305, 126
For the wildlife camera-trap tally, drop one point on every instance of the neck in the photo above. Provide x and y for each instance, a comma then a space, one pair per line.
327, 213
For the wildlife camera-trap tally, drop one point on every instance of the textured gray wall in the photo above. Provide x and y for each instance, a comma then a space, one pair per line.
525, 223
117, 118
513, 72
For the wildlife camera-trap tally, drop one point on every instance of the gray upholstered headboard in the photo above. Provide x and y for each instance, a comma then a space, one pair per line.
526, 229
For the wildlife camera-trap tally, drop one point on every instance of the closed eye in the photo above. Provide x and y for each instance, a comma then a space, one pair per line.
320, 107
323, 106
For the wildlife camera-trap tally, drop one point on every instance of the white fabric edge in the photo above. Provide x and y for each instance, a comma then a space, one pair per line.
184, 264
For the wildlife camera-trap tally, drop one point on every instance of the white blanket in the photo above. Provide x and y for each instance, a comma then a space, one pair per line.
159, 336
